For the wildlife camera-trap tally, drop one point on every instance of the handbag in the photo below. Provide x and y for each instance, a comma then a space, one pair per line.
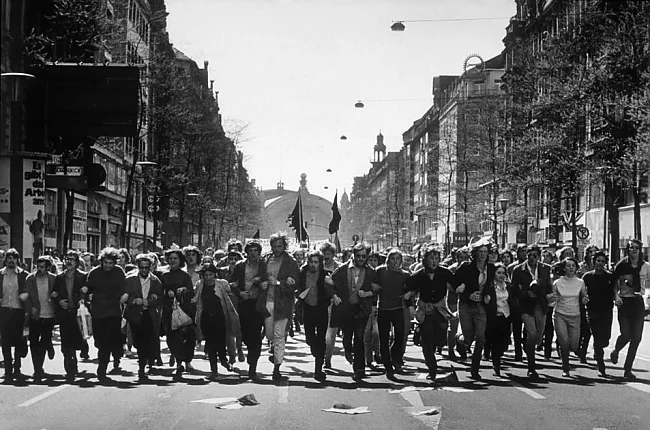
124, 323
179, 318
84, 321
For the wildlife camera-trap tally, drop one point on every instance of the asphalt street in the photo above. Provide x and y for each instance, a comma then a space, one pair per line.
584, 401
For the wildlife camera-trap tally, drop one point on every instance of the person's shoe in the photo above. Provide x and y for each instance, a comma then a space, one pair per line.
462, 351
214, 376
566, 374
328, 364
358, 376
69, 379
38, 377
320, 376
539, 348
533, 375
172, 361
104, 380
399, 369
50, 352
240, 355
497, 373
390, 374
451, 355
9, 379
475, 376
227, 366
142, 376
583, 358
276, 373
629, 375
252, 373
613, 357
159, 362
602, 372
189, 367
178, 375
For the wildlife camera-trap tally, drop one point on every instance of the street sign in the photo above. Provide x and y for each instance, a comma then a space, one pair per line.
582, 233
153, 208
68, 170
151, 199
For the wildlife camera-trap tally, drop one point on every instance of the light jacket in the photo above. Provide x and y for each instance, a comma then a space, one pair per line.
222, 290
284, 293
33, 304
22, 277
532, 295
348, 310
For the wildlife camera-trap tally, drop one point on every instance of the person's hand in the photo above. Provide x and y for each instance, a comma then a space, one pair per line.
291, 281
23, 297
532, 294
34, 312
180, 290
585, 300
487, 299
244, 295
364, 294
137, 302
618, 302
54, 295
124, 298
336, 300
256, 279
460, 289
145, 303
408, 295
170, 293
154, 297
412, 311
84, 290
64, 304
329, 280
475, 296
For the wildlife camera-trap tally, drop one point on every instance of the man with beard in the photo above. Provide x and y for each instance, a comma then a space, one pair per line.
12, 313
353, 290
40, 309
107, 285
432, 283
67, 292
248, 277
312, 291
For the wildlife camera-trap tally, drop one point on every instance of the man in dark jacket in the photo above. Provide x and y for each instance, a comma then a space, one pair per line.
532, 282
353, 294
248, 277
12, 313
106, 284
315, 298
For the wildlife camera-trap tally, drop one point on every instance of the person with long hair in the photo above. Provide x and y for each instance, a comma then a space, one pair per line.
632, 275
567, 293
499, 310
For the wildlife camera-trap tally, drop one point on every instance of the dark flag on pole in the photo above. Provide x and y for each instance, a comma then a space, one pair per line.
257, 234
336, 216
295, 221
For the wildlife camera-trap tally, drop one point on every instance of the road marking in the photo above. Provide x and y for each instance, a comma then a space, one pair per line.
531, 393
45, 395
413, 397
283, 393
639, 386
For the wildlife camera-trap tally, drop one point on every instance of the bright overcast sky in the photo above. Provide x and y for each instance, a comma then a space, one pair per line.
292, 71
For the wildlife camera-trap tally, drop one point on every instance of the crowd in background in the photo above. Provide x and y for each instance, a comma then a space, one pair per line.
479, 302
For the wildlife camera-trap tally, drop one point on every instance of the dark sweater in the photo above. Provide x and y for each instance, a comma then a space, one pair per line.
106, 288
393, 287
601, 291
431, 291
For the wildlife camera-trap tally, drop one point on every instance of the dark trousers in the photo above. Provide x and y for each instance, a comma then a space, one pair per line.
181, 343
433, 333
71, 341
499, 331
391, 354
585, 333
600, 323
142, 340
517, 330
630, 320
213, 327
251, 323
108, 340
549, 332
315, 319
353, 335
11, 332
40, 340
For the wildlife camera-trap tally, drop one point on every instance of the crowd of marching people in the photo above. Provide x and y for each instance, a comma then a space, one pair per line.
478, 301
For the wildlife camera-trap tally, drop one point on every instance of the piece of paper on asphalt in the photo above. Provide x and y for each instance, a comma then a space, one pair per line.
216, 400
234, 405
353, 411
456, 389
433, 411
408, 389
364, 389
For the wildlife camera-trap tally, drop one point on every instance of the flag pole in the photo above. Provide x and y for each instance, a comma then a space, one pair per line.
299, 218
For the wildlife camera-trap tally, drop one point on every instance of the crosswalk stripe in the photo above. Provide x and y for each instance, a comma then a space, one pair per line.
639, 386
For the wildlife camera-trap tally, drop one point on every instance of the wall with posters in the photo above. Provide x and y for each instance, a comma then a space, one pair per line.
5, 204
33, 208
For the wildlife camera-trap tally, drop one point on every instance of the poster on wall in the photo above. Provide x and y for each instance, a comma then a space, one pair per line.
5, 189
33, 209
5, 232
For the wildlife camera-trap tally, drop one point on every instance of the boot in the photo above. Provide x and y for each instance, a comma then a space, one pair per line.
252, 372
566, 371
276, 373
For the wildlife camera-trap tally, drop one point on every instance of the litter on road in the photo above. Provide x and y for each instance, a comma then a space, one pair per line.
342, 408
433, 411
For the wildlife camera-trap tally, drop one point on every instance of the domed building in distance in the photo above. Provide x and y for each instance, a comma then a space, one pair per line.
279, 203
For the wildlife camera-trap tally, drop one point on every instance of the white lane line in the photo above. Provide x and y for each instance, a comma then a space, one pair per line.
45, 395
283, 393
535, 395
413, 397
639, 386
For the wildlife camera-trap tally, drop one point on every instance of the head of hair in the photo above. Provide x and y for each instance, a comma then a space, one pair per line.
575, 261
209, 267
123, 252
591, 249
253, 244
532, 248
235, 254
191, 248
109, 253
73, 254
315, 253
598, 254
431, 249
178, 252
13, 252
499, 265
561, 253
46, 259
282, 236
143, 257
218, 254
360, 246
328, 246
234, 243
395, 251
633, 241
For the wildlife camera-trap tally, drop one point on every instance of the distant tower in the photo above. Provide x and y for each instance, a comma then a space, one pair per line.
303, 183
380, 149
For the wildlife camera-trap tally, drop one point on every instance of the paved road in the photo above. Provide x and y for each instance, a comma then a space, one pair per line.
583, 402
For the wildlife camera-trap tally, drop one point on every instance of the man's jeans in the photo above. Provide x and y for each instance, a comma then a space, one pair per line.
473, 321
534, 324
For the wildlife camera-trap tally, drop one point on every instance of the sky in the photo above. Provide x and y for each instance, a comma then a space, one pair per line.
289, 72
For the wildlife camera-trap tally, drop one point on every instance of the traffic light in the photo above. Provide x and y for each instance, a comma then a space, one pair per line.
96, 175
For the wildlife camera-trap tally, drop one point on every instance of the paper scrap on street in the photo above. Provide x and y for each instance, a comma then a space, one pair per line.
230, 402
433, 411
364, 389
234, 405
349, 410
456, 389
409, 389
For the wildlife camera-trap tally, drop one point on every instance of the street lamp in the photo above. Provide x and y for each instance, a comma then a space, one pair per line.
503, 203
399, 25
